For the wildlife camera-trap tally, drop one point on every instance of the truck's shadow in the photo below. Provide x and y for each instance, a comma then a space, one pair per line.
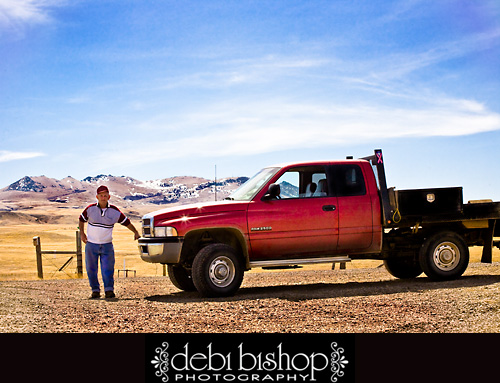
325, 290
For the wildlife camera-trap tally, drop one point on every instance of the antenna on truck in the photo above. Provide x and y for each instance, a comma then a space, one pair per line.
215, 183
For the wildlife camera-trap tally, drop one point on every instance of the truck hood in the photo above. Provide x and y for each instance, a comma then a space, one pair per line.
196, 210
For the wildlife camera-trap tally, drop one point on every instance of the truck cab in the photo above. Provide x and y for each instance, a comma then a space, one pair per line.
312, 210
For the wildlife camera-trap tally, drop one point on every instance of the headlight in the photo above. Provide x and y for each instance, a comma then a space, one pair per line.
165, 231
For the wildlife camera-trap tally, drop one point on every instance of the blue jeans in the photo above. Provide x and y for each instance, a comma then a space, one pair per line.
106, 253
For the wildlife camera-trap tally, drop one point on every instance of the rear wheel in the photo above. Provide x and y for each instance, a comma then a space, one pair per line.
180, 277
403, 268
444, 256
217, 271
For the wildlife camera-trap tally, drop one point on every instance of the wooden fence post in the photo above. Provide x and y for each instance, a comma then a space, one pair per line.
78, 252
38, 248
79, 262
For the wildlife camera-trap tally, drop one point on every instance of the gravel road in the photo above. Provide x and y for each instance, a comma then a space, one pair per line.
352, 300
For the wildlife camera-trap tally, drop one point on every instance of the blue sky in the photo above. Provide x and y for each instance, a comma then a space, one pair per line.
154, 89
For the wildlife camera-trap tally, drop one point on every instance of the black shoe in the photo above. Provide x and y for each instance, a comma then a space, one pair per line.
95, 295
110, 294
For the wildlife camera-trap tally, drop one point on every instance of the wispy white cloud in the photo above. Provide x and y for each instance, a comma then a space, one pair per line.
6, 155
235, 128
385, 72
223, 73
16, 13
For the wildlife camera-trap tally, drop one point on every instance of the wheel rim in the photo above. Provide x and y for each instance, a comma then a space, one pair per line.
446, 256
222, 271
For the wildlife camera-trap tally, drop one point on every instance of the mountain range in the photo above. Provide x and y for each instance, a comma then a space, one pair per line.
29, 191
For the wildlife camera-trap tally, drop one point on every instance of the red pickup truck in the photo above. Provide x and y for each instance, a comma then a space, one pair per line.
318, 212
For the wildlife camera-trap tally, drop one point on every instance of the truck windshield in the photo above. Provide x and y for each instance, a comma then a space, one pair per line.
250, 188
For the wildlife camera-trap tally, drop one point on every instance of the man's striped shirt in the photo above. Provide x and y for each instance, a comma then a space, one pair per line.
101, 222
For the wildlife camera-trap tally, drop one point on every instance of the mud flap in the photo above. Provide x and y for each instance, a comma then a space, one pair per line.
488, 242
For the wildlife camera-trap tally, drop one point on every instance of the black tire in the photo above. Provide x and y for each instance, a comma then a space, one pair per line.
403, 268
444, 256
217, 271
181, 278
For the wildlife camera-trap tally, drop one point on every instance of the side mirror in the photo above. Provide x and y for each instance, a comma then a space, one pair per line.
273, 192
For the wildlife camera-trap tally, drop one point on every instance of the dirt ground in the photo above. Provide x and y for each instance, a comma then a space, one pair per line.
310, 301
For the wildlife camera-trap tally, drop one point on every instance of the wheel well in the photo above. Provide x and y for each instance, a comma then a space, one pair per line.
195, 240
471, 237
407, 241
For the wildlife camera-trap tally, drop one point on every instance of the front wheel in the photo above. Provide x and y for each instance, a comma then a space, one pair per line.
180, 277
217, 271
444, 256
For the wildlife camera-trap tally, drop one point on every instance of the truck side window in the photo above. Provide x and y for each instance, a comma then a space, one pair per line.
349, 180
304, 182
289, 184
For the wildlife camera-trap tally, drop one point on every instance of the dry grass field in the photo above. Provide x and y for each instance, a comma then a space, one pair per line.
57, 231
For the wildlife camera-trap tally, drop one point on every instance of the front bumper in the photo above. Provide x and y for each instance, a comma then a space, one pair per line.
161, 250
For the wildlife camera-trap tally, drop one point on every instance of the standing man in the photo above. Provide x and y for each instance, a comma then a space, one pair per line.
101, 218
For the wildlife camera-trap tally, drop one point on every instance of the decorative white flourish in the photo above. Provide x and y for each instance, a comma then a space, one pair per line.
338, 362
161, 362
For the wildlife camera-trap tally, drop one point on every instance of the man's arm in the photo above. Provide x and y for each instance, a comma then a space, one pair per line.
132, 228
81, 226
123, 220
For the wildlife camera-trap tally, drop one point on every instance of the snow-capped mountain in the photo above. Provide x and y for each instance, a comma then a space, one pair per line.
124, 190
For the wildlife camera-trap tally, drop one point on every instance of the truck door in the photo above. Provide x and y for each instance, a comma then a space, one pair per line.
354, 207
302, 222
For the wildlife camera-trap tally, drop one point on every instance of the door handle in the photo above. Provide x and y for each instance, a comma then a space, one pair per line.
329, 207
